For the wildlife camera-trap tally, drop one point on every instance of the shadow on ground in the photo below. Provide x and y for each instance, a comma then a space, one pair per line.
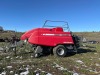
80, 51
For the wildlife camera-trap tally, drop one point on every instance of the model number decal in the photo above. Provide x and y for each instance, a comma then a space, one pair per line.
56, 34
67, 42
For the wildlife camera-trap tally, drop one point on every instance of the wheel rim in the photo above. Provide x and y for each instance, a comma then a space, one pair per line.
60, 51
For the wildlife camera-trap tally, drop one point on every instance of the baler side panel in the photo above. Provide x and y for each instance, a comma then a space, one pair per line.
64, 38
46, 40
51, 38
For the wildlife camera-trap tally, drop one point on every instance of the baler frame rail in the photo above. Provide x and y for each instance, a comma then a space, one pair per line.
65, 26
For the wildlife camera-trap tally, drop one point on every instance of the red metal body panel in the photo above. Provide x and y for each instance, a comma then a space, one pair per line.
27, 34
48, 37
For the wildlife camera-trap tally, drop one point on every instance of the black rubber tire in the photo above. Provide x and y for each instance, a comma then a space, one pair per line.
60, 51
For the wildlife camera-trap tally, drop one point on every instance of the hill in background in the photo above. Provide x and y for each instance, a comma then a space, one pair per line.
89, 35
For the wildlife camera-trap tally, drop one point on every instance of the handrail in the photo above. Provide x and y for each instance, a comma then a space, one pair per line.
65, 26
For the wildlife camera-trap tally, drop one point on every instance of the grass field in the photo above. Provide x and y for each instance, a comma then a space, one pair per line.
85, 62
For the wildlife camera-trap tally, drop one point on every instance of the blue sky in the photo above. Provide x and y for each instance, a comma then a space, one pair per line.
23, 15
